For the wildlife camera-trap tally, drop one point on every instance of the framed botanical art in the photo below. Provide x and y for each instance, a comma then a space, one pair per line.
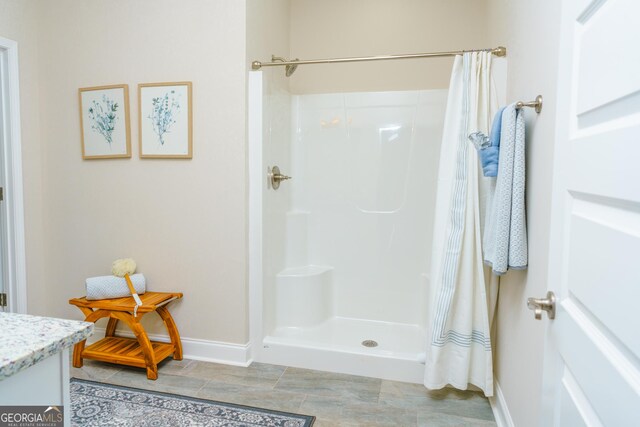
104, 122
165, 120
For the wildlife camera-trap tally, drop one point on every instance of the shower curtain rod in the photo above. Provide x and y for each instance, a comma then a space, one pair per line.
293, 64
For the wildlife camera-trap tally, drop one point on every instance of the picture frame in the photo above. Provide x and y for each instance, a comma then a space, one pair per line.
165, 128
105, 127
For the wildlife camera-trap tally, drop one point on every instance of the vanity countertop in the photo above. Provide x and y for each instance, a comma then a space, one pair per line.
26, 339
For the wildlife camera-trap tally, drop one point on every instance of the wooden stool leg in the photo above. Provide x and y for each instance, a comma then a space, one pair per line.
173, 332
79, 347
143, 340
111, 327
147, 350
77, 354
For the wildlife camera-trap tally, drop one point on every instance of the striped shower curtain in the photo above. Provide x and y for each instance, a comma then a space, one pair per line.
463, 291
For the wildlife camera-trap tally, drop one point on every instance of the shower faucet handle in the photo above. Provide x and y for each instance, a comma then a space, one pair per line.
275, 177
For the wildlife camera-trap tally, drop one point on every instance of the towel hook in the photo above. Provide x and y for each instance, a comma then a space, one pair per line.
537, 104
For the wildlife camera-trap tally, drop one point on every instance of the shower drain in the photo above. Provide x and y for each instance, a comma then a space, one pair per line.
370, 343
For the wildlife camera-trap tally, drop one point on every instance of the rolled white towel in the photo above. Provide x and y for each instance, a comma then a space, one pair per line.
105, 287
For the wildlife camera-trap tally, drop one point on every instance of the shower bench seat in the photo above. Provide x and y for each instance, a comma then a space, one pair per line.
139, 351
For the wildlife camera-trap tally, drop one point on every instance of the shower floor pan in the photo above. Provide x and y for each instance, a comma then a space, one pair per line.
386, 350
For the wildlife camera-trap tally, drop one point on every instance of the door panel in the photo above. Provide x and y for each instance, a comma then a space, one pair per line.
575, 412
600, 163
607, 72
600, 367
594, 268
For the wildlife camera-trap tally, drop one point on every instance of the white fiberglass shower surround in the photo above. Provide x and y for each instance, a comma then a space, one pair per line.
340, 253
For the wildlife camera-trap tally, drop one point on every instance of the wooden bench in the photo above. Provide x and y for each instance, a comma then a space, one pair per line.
138, 351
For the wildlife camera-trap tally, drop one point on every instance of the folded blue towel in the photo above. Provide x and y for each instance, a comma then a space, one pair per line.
490, 156
496, 128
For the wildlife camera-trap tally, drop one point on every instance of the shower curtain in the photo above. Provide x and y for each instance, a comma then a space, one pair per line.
463, 292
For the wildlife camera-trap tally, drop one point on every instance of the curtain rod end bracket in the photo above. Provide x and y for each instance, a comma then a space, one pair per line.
499, 51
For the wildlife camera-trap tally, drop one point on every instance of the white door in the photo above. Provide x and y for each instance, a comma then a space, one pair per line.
592, 365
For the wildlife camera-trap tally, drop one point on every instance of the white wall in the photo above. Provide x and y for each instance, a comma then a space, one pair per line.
339, 28
533, 60
182, 220
18, 22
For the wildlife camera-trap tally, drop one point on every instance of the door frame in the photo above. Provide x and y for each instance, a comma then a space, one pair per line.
559, 207
552, 362
13, 203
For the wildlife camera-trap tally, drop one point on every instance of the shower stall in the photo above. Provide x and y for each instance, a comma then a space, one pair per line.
340, 252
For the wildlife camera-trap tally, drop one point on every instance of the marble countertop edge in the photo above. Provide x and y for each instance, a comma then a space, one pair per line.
25, 340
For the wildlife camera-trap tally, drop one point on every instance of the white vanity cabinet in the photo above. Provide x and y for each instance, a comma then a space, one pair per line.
34, 360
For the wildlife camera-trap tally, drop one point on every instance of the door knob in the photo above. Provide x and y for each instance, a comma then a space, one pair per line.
275, 177
547, 304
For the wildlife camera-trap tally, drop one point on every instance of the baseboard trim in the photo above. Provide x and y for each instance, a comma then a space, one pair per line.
500, 408
197, 349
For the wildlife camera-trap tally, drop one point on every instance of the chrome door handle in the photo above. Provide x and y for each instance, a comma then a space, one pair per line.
547, 304
275, 177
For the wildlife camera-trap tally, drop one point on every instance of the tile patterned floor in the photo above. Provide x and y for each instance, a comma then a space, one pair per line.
335, 399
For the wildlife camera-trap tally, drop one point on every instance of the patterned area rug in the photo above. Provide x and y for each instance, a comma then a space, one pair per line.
97, 404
